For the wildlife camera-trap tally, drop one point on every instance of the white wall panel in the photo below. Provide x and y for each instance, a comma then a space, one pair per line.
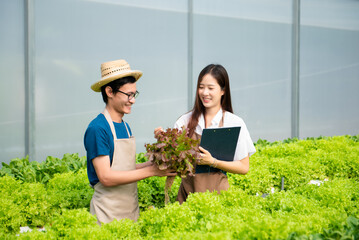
329, 63
252, 40
12, 88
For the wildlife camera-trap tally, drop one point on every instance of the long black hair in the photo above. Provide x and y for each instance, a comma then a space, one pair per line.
220, 74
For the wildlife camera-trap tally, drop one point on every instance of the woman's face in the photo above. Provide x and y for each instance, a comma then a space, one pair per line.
210, 92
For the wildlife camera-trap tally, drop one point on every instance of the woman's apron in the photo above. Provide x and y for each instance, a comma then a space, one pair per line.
117, 202
206, 178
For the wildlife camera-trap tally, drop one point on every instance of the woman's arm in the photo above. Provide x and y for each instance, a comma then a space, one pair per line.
109, 177
238, 167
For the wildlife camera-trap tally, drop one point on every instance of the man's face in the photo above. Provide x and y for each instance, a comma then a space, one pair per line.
120, 102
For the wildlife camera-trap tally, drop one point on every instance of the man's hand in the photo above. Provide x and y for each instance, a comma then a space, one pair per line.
162, 173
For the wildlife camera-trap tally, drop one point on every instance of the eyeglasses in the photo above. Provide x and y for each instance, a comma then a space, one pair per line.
130, 95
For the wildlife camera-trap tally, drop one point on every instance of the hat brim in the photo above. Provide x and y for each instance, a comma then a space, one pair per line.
132, 73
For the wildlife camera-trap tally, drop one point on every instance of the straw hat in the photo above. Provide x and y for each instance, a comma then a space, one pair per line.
114, 70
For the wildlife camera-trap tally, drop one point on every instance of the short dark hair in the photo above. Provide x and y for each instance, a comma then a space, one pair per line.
116, 85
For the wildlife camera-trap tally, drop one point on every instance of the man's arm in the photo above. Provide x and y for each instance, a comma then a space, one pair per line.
142, 165
109, 177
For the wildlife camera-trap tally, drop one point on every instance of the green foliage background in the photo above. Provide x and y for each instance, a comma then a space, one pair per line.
56, 194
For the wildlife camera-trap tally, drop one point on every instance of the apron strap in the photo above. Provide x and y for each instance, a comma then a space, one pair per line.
110, 122
128, 133
222, 120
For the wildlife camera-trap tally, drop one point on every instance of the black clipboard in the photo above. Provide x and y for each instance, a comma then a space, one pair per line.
221, 142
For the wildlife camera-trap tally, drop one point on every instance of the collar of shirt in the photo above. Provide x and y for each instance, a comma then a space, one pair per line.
215, 122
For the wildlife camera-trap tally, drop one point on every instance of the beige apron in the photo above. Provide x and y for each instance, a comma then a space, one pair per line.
201, 182
117, 202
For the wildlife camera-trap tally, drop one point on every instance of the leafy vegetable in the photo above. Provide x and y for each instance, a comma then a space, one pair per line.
174, 150
26, 171
300, 211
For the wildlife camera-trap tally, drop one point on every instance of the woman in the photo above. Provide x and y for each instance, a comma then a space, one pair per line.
213, 109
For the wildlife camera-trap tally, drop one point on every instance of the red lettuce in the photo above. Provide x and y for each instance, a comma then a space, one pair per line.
174, 150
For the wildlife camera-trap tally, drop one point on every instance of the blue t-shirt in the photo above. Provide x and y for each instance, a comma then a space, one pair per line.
98, 141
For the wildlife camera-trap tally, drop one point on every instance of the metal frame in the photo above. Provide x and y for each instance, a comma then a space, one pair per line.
295, 69
29, 42
190, 54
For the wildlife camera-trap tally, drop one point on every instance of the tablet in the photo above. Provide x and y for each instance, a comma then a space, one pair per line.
221, 142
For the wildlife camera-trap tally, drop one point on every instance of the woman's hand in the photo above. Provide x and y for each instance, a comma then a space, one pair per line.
237, 167
157, 131
206, 157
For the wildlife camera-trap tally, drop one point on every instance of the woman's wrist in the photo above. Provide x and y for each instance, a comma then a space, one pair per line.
214, 163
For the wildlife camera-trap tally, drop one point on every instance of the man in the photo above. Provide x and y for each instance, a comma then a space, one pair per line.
111, 148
